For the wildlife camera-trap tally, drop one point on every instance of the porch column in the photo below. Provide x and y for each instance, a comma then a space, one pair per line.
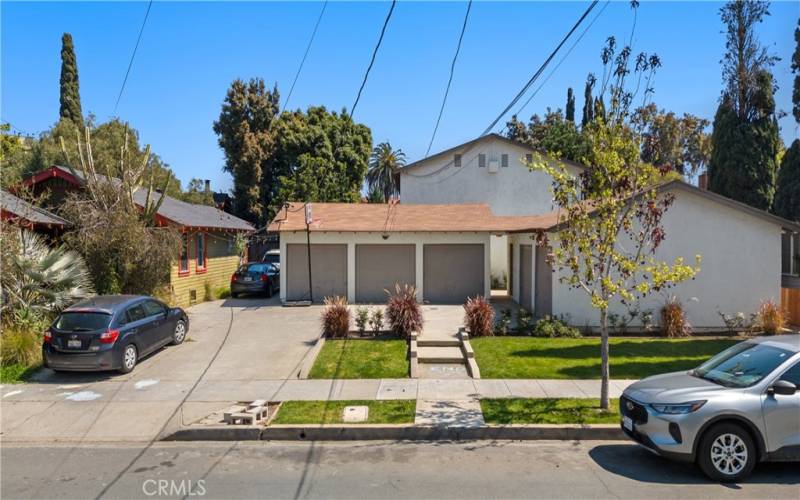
516, 267
534, 251
351, 272
487, 267
419, 269
284, 268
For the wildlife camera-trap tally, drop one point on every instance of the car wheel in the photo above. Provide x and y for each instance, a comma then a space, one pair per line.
179, 335
269, 290
129, 358
234, 295
727, 453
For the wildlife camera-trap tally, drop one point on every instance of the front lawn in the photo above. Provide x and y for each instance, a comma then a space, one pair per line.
361, 358
330, 412
548, 411
631, 358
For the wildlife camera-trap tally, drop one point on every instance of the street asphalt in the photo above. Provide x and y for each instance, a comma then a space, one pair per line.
542, 469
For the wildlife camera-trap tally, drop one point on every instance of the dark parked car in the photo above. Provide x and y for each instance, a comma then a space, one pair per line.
256, 277
111, 332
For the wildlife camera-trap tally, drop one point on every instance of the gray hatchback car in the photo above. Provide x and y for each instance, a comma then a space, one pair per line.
740, 407
111, 332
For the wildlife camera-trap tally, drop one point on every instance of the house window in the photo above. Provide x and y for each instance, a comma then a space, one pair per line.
200, 256
790, 253
529, 158
457, 161
183, 263
503, 160
482, 160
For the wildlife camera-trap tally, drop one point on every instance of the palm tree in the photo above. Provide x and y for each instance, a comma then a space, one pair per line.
384, 166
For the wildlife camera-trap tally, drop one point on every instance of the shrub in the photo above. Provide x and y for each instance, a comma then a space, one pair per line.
21, 345
479, 316
734, 322
770, 318
673, 319
362, 316
403, 311
376, 321
208, 292
335, 317
223, 292
524, 321
166, 295
553, 328
503, 324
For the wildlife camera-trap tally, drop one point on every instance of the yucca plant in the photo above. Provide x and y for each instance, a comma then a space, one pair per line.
770, 318
42, 280
478, 316
335, 317
403, 311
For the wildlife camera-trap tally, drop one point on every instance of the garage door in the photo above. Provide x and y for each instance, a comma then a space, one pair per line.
452, 273
525, 267
328, 271
379, 267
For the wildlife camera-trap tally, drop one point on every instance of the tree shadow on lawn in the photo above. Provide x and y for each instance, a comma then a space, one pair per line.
628, 370
693, 348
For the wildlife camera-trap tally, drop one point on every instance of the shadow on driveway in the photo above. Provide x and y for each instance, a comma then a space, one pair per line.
634, 462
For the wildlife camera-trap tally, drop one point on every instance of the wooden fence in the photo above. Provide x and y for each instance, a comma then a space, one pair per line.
790, 303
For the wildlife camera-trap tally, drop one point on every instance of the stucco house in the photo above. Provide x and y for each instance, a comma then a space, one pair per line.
209, 255
473, 210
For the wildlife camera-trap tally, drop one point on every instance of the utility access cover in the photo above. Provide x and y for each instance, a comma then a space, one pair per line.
355, 414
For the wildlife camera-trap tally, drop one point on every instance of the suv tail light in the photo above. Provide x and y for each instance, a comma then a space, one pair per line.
48, 337
109, 337
264, 277
233, 278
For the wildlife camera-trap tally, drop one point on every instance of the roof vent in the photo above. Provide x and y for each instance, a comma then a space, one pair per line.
493, 166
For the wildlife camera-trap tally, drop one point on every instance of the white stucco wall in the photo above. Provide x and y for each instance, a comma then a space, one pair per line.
351, 239
740, 265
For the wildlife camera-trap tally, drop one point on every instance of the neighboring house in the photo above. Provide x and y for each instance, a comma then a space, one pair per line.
447, 249
209, 254
491, 169
26, 215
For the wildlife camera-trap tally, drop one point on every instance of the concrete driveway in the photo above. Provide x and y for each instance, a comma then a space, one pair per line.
265, 344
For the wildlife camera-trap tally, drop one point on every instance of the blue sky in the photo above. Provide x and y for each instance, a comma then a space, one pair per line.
190, 52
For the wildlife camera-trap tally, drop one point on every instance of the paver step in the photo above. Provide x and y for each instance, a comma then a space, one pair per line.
440, 355
438, 342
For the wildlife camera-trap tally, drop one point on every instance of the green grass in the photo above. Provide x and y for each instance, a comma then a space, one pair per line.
330, 412
548, 411
631, 358
361, 358
16, 373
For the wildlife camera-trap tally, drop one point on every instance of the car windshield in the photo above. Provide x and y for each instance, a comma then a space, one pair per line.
253, 268
742, 365
81, 321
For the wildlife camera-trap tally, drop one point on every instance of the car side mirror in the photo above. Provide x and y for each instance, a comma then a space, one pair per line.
783, 388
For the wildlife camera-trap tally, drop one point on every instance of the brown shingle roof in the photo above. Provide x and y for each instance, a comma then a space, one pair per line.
13, 207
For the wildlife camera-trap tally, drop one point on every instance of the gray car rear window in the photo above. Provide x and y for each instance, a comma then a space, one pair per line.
82, 321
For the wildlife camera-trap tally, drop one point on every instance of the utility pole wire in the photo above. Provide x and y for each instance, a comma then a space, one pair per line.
547, 78
450, 80
540, 70
303, 60
133, 55
372, 61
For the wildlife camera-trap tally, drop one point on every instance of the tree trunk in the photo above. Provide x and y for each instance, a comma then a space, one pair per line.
604, 371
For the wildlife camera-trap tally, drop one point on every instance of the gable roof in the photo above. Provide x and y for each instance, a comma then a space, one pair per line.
16, 208
493, 136
171, 210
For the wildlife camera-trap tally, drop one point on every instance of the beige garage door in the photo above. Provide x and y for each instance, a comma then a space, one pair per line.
379, 267
525, 268
328, 271
452, 273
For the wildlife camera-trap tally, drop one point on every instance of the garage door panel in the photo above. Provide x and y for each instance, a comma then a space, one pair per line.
379, 267
328, 266
453, 272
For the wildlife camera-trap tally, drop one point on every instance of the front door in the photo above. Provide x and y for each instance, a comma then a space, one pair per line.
782, 418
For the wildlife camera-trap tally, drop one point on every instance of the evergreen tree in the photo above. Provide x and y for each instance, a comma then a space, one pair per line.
588, 102
787, 194
70, 96
745, 140
570, 110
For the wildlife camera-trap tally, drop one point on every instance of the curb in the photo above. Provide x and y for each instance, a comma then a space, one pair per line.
367, 432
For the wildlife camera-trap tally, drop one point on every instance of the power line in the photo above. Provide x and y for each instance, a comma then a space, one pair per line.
547, 78
540, 70
372, 61
450, 80
303, 61
133, 55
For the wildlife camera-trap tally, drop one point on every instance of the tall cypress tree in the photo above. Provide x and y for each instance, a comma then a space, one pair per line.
787, 194
588, 102
70, 96
745, 140
570, 113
